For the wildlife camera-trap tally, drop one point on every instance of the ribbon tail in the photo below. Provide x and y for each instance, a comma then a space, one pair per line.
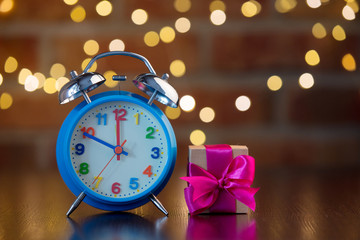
199, 205
244, 195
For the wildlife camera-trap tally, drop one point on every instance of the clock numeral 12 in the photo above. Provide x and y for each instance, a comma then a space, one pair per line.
104, 116
119, 114
148, 171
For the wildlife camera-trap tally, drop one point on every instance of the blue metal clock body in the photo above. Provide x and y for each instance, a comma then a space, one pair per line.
116, 151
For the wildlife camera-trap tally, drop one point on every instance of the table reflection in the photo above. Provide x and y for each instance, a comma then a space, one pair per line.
117, 226
225, 226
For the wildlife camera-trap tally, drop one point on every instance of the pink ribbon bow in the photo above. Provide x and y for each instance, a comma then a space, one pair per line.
236, 179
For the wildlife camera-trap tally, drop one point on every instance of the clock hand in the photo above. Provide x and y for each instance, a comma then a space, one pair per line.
118, 134
105, 143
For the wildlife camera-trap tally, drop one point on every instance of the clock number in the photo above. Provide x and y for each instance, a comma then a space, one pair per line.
104, 116
156, 153
134, 183
136, 116
115, 188
98, 180
80, 148
84, 168
150, 131
148, 171
90, 129
119, 114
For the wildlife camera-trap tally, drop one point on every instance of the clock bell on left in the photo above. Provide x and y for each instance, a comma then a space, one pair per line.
116, 150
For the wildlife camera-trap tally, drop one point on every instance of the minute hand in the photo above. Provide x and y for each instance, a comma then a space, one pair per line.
102, 142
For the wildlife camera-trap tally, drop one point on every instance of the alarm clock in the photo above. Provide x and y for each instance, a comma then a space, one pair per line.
116, 150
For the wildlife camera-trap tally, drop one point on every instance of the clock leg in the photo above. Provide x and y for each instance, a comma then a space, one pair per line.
76, 203
158, 204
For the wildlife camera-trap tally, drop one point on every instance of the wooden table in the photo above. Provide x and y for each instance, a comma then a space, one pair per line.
291, 204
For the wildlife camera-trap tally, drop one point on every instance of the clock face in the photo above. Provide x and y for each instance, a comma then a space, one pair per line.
119, 150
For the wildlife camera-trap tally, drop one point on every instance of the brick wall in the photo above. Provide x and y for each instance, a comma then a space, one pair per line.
293, 126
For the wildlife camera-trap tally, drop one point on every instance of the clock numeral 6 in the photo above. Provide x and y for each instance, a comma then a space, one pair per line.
150, 131
156, 153
88, 130
115, 188
84, 168
134, 183
80, 148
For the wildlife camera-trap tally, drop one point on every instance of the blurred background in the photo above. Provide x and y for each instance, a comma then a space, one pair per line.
280, 76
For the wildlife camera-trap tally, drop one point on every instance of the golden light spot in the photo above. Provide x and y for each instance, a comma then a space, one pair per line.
57, 70
217, 5
218, 17
312, 58
78, 14
104, 8
60, 82
207, 114
86, 62
117, 45
338, 33
115, 195
187, 103
155, 175
162, 152
348, 62
172, 113
167, 34
250, 8
306, 81
141, 113
91, 47
109, 81
319, 31
23, 74
284, 6
6, 101
49, 85
1, 79
313, 3
31, 83
138, 190
182, 25
177, 68
243, 103
151, 39
139, 16
157, 130
274, 83
11, 65
182, 5
197, 137
354, 5
70, 2
348, 13
6, 6
41, 79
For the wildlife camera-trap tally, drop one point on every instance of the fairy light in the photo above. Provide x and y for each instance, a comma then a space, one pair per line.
207, 114
312, 58
6, 6
104, 8
167, 34
348, 62
31, 83
182, 25
50, 85
117, 45
217, 5
1, 79
348, 13
70, 2
86, 62
6, 101
197, 137
218, 17
41, 78
91, 47
182, 6
243, 103
60, 82
23, 74
10, 65
250, 8
139, 16
57, 70
151, 39
338, 33
306, 81
109, 81
173, 113
78, 14
284, 6
274, 83
187, 103
177, 68
319, 31
313, 3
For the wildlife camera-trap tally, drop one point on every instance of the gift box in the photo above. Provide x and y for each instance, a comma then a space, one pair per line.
219, 178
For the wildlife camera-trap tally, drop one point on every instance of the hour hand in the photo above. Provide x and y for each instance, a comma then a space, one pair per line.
103, 142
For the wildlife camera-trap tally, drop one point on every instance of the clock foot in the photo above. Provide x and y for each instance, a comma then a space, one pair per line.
76, 203
158, 204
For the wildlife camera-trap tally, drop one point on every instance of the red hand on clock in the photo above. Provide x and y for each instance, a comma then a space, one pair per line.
117, 133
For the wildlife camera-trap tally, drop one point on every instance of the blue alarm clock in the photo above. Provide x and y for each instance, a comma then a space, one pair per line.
116, 150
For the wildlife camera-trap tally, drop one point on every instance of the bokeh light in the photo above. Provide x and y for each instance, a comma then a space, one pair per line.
243, 103
104, 8
348, 62
57, 70
319, 31
218, 17
117, 45
86, 62
348, 13
182, 25
197, 137
274, 83
109, 81
50, 85
284, 6
313, 3
338, 33
306, 80
217, 5
91, 47
41, 78
207, 114
173, 113
78, 14
60, 82
182, 5
6, 6
151, 39
139, 16
70, 2
10, 65
31, 83
187, 103
23, 74
1, 79
312, 58
167, 34
250, 8
6, 101
177, 68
